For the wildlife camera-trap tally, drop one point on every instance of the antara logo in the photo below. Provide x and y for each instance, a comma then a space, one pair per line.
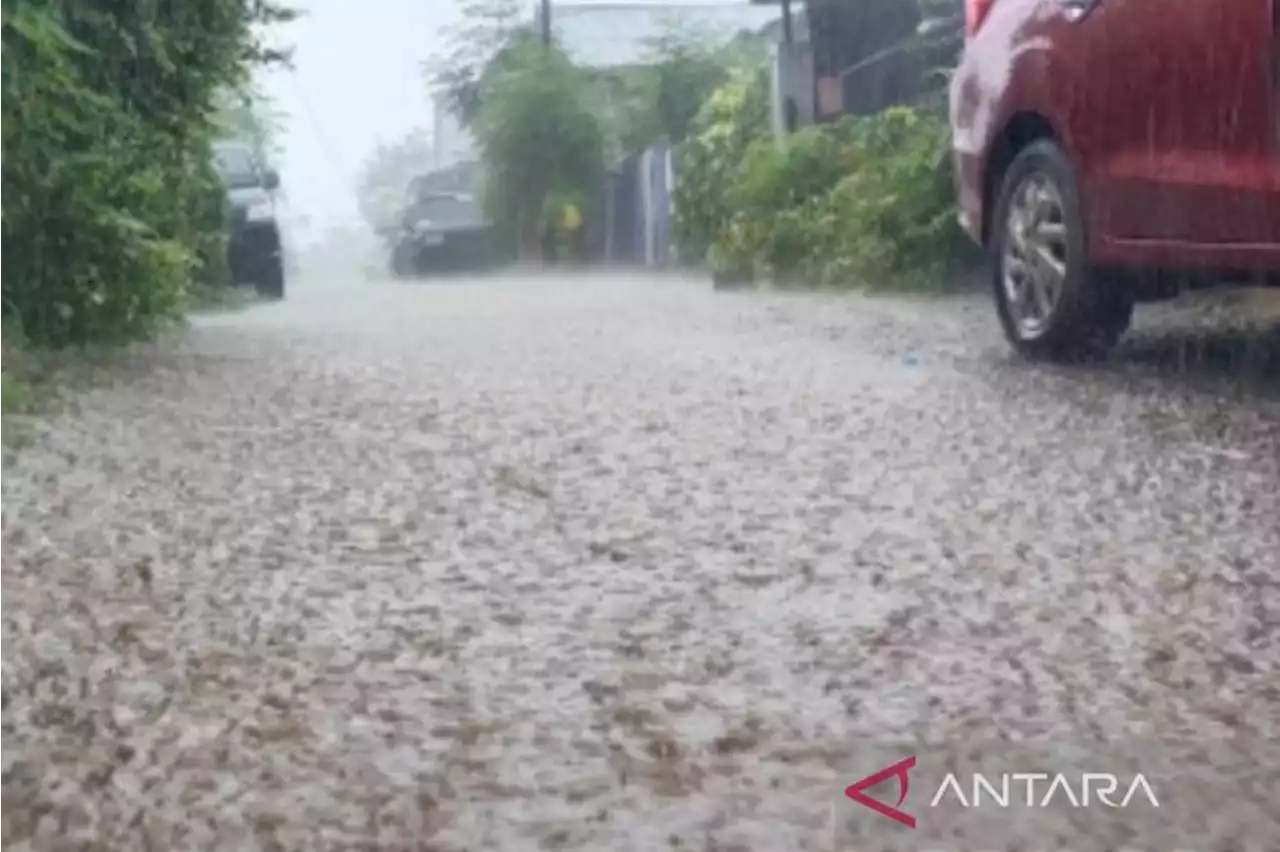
1006, 790
898, 770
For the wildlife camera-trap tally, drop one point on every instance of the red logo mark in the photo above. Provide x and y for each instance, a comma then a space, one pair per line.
898, 770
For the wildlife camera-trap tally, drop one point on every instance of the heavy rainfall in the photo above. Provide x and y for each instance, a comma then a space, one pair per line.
639, 425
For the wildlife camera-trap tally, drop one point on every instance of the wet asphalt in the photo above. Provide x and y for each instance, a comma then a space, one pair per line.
620, 563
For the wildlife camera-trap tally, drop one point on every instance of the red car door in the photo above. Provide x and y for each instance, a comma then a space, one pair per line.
1175, 121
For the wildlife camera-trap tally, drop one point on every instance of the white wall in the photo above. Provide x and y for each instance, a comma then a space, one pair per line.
791, 75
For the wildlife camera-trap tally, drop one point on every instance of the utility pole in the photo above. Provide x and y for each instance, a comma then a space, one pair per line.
546, 22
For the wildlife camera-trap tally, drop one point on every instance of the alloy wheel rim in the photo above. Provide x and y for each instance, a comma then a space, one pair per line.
1034, 267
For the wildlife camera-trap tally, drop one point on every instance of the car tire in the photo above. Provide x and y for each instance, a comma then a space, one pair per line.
1052, 304
269, 282
402, 262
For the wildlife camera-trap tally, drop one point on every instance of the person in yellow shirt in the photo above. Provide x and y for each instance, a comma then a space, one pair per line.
570, 218
563, 232
570, 230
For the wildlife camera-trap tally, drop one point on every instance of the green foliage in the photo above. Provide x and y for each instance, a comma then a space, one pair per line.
776, 175
476, 47
659, 100
15, 394
216, 297
538, 135
733, 116
866, 201
685, 66
533, 114
893, 218
246, 113
110, 199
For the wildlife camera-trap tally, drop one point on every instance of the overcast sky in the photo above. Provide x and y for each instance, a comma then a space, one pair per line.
357, 83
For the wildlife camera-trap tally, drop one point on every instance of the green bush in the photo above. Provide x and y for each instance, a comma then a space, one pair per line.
15, 394
736, 114
866, 201
894, 217
110, 201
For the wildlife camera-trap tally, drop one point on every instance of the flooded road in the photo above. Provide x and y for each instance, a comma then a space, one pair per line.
611, 564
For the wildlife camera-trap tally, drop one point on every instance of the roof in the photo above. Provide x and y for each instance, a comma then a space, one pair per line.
611, 34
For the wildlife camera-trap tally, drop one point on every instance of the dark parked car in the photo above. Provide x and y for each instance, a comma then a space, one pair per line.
1109, 151
255, 247
442, 225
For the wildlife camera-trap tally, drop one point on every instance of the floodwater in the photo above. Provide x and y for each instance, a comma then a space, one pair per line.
612, 563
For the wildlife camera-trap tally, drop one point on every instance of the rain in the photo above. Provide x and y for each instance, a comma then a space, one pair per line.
640, 425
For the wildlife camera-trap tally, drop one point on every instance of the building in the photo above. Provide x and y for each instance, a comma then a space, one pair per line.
608, 35
613, 34
791, 76
859, 54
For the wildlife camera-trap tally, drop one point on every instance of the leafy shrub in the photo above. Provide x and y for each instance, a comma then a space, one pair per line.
736, 114
15, 394
865, 201
780, 174
110, 200
774, 195
894, 217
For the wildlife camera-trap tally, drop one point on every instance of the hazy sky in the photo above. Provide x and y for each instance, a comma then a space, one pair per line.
357, 83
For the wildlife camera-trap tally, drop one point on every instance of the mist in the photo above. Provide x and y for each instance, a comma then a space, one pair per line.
357, 82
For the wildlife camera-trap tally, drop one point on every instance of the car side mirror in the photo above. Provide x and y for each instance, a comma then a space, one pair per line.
271, 179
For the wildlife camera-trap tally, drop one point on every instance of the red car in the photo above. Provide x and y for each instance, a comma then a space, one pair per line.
1108, 151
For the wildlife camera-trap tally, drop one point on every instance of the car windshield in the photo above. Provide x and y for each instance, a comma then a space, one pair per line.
236, 166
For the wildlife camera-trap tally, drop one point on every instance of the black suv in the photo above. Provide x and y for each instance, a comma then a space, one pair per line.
256, 256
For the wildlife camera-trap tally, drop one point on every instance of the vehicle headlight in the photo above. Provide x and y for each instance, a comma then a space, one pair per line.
260, 211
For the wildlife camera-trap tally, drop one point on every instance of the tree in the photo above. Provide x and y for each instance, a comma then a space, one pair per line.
688, 65
538, 136
476, 47
733, 117
386, 174
684, 64
245, 112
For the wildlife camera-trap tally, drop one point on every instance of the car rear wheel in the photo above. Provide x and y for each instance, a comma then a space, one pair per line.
269, 280
1051, 303
403, 261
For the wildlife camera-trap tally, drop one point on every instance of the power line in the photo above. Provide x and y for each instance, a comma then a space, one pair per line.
313, 122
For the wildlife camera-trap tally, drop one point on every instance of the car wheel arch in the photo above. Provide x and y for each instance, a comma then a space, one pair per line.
1021, 129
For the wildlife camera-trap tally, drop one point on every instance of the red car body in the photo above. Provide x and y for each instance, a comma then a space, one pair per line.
1167, 110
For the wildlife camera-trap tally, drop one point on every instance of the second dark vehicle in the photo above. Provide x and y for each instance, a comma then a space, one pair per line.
442, 226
